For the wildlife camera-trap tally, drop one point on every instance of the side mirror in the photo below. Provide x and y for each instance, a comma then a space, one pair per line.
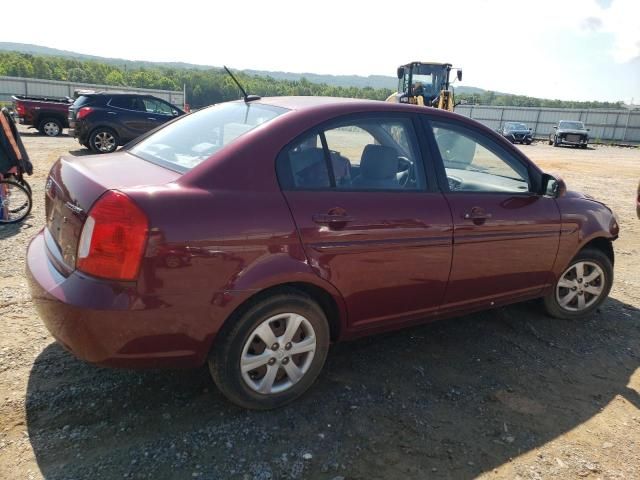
588, 129
553, 185
400, 72
175, 113
555, 127
459, 75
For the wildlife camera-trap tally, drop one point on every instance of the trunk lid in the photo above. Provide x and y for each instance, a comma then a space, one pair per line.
75, 183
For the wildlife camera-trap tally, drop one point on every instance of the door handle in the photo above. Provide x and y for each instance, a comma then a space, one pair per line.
151, 118
331, 219
476, 214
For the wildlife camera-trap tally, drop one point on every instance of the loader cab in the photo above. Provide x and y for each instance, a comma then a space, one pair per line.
423, 79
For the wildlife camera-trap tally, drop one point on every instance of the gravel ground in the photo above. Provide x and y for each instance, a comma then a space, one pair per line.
508, 393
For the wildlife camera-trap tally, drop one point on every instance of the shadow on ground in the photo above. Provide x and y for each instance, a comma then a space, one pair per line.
446, 400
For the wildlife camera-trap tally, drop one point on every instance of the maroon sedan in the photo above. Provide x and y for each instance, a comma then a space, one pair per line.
251, 235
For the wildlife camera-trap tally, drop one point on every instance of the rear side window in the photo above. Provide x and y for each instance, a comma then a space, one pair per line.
363, 154
187, 142
126, 102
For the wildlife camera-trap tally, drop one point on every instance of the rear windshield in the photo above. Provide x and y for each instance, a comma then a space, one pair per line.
187, 142
81, 100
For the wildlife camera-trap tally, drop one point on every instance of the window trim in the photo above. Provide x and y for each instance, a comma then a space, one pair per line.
533, 180
429, 183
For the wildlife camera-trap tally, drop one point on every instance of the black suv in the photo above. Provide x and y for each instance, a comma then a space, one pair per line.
569, 132
103, 121
516, 132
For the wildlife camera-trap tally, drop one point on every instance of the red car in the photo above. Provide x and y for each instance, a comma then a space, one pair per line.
250, 235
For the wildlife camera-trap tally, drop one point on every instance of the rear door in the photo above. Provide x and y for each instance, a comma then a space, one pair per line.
505, 234
370, 219
127, 113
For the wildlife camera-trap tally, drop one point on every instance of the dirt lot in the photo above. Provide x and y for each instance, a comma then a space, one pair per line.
508, 393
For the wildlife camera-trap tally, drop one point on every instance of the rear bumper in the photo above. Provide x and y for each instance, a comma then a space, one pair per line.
112, 324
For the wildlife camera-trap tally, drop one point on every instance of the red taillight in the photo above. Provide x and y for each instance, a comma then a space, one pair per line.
20, 109
83, 112
113, 238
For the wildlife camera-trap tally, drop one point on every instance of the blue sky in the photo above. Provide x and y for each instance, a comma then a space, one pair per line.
568, 49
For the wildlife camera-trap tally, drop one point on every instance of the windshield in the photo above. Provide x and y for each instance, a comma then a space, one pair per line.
427, 80
572, 125
187, 142
516, 126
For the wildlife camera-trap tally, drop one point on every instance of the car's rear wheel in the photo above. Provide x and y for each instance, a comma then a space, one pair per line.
272, 353
103, 140
50, 127
528, 141
582, 287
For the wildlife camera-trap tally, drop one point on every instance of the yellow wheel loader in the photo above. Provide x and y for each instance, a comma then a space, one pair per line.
423, 83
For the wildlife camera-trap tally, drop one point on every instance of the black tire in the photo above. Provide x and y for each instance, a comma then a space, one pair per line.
240, 331
550, 141
103, 140
25, 184
584, 145
12, 211
528, 142
51, 127
592, 255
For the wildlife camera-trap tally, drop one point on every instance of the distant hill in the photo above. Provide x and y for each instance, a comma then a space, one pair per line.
373, 81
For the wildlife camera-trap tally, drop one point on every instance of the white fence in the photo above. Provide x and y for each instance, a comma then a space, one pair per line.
618, 126
52, 88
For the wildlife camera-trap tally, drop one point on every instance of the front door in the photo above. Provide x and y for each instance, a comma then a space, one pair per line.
368, 219
505, 235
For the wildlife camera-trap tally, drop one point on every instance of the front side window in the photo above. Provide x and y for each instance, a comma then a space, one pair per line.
473, 164
152, 105
367, 154
187, 142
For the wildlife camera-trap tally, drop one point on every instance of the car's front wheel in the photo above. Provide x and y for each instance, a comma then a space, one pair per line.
582, 287
272, 353
103, 140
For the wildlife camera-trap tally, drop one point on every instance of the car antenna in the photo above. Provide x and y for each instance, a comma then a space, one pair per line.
247, 98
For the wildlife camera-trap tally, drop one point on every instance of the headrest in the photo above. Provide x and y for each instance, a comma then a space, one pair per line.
379, 162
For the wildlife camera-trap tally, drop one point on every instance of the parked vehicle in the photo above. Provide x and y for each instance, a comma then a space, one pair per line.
47, 114
105, 120
250, 235
569, 132
516, 132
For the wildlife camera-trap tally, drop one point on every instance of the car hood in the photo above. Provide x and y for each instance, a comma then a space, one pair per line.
519, 131
571, 130
584, 196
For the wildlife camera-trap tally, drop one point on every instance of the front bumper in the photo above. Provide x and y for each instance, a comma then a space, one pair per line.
111, 323
562, 140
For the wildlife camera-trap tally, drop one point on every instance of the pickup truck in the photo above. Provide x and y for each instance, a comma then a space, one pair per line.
48, 114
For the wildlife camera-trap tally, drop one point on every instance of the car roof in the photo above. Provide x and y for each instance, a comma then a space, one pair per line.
342, 105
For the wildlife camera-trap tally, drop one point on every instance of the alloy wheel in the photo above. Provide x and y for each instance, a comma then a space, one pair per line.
278, 353
105, 142
51, 129
580, 286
